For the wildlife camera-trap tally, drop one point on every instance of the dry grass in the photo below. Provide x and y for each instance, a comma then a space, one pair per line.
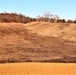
37, 41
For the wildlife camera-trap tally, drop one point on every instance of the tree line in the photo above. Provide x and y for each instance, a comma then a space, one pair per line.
48, 17
20, 18
14, 17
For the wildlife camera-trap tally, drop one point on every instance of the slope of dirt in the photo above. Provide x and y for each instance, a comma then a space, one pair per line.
37, 41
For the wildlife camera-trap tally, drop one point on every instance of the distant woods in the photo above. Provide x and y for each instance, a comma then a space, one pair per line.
20, 18
48, 17
14, 17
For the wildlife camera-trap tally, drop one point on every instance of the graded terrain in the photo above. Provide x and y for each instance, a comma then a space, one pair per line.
37, 42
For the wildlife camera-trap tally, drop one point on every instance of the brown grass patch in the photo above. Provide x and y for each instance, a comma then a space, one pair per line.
37, 42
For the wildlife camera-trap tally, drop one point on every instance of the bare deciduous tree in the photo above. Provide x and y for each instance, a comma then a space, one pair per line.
48, 17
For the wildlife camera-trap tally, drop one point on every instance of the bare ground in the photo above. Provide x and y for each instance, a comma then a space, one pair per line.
37, 42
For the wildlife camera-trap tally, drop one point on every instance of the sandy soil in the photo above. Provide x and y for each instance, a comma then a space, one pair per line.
37, 69
37, 42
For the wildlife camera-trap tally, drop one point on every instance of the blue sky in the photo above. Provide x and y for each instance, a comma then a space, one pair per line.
64, 8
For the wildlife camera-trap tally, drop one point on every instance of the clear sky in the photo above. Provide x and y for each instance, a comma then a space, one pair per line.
64, 8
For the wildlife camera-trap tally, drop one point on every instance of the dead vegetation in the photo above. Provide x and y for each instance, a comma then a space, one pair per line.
37, 41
